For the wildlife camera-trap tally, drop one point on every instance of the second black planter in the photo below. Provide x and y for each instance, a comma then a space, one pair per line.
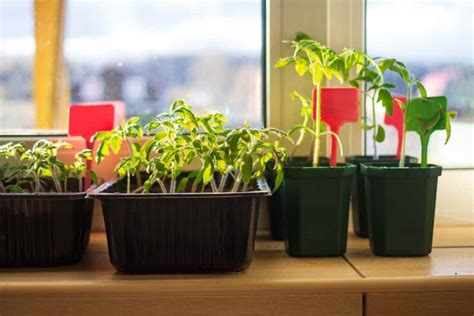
180, 233
401, 206
359, 210
316, 210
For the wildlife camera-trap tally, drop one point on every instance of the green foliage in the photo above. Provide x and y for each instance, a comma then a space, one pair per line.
26, 170
312, 58
229, 159
427, 115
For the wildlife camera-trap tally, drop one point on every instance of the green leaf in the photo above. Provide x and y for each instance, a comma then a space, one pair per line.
386, 64
282, 62
247, 168
450, 115
102, 151
115, 144
422, 89
301, 36
208, 172
99, 136
385, 97
279, 178
182, 184
301, 66
93, 176
354, 83
380, 135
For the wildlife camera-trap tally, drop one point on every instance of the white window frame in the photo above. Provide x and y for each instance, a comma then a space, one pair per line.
339, 24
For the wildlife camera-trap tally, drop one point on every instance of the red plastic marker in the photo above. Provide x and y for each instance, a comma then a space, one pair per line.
396, 120
338, 106
86, 119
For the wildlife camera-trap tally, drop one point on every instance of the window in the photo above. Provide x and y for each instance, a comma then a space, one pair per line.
149, 53
434, 39
16, 64
146, 53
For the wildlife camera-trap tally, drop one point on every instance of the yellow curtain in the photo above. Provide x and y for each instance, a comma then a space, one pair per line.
51, 86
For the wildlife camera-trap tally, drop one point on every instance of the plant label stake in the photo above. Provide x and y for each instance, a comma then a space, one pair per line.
427, 115
86, 119
396, 120
338, 106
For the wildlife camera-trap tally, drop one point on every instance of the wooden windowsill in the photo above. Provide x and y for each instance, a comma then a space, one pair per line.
450, 267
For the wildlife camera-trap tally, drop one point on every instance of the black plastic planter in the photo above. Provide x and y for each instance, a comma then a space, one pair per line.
180, 233
275, 200
44, 229
401, 206
316, 210
359, 211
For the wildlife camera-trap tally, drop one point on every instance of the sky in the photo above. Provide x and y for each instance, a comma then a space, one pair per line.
411, 30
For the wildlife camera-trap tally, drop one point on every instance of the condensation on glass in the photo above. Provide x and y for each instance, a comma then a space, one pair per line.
146, 53
435, 40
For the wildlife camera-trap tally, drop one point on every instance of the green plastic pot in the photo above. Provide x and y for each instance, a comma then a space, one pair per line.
316, 209
401, 207
275, 200
359, 211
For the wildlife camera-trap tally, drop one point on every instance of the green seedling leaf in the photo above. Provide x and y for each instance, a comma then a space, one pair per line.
279, 178
422, 89
426, 115
385, 97
380, 135
93, 176
282, 62
208, 172
247, 168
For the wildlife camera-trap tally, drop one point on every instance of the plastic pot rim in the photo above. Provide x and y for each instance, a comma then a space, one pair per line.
98, 193
392, 170
340, 170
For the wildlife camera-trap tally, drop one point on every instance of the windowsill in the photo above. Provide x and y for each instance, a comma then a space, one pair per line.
17, 133
272, 274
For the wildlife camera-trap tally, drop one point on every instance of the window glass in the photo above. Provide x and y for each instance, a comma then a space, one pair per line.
149, 53
434, 38
16, 58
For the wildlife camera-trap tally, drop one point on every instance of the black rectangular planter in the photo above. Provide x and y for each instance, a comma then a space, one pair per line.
43, 229
316, 210
180, 233
359, 210
401, 207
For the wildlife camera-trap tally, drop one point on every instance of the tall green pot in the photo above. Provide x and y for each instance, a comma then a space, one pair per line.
275, 200
316, 209
359, 210
401, 207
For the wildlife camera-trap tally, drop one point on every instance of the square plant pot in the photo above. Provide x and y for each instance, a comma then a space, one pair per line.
44, 229
359, 210
401, 207
316, 210
275, 201
182, 232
